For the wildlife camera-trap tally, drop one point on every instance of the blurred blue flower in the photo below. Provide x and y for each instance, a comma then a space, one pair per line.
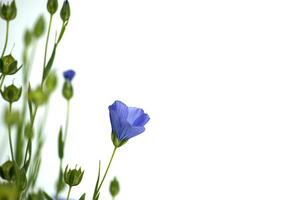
126, 122
69, 75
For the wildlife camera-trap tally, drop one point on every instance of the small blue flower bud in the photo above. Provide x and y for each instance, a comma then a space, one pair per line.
11, 93
65, 11
73, 177
114, 187
69, 75
8, 11
52, 6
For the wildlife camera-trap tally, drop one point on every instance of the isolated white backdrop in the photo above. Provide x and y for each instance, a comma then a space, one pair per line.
220, 80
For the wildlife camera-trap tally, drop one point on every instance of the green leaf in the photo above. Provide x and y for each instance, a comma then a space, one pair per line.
96, 189
47, 196
83, 197
62, 32
49, 63
61, 144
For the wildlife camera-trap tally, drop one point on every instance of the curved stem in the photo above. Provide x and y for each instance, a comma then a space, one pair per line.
46, 45
108, 167
6, 39
69, 191
9, 135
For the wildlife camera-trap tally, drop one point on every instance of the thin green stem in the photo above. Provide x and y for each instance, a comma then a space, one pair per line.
33, 117
69, 191
108, 167
6, 39
46, 45
9, 135
67, 120
2, 80
58, 189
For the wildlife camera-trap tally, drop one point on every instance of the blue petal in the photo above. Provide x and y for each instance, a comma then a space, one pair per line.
69, 74
134, 113
120, 108
141, 120
134, 131
115, 121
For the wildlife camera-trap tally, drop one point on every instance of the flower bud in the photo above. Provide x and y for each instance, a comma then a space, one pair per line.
7, 171
114, 187
65, 11
8, 191
73, 177
39, 27
27, 38
28, 131
67, 90
38, 96
11, 93
11, 117
52, 6
8, 12
51, 82
9, 65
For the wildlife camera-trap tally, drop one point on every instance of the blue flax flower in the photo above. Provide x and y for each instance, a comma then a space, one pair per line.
69, 75
126, 122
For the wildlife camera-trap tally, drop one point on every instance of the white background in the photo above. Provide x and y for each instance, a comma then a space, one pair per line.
220, 80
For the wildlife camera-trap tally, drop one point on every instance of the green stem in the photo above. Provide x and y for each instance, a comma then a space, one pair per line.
69, 191
6, 38
9, 135
108, 167
33, 116
67, 121
46, 46
2, 80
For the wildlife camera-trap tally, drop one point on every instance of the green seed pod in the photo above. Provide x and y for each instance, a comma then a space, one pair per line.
65, 11
9, 65
7, 171
52, 6
51, 82
67, 90
38, 96
73, 177
27, 38
39, 27
11, 118
8, 191
8, 12
29, 132
114, 187
11, 93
